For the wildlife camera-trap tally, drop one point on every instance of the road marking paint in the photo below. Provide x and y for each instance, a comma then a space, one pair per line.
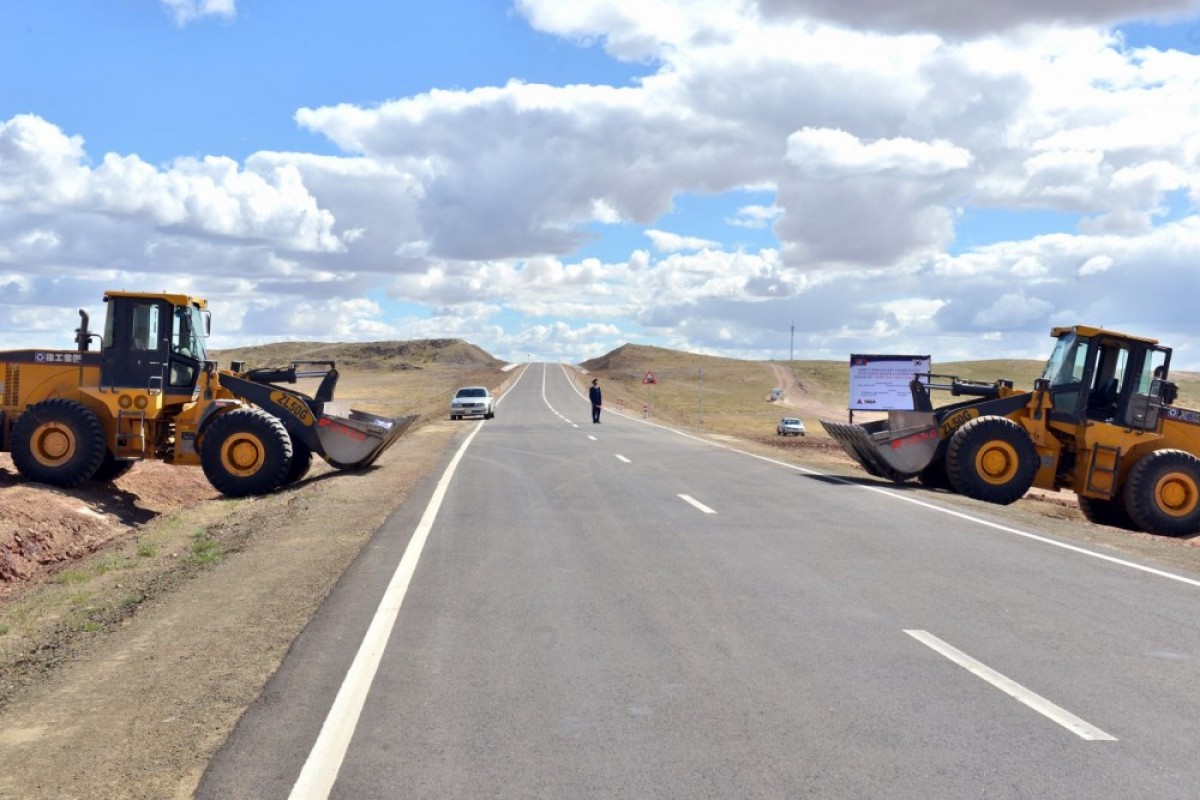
325, 759
623, 458
1077, 726
546, 400
593, 438
931, 506
693, 501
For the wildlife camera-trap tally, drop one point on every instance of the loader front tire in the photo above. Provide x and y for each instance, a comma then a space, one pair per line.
59, 442
1162, 493
991, 459
245, 452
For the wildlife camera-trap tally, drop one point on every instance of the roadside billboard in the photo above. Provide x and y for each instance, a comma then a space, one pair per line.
880, 382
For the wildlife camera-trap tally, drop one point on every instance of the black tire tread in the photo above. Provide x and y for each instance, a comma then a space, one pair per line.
275, 439
1106, 512
111, 468
89, 445
960, 459
1138, 493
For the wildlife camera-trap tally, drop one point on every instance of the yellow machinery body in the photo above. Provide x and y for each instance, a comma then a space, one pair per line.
150, 392
1100, 421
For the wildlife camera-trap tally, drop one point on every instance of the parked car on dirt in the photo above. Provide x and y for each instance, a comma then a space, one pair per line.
790, 425
473, 401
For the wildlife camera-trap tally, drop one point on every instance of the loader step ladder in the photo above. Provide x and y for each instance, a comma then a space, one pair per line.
1102, 470
131, 433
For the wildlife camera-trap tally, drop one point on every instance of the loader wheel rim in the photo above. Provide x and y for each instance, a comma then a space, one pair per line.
997, 462
53, 444
1176, 494
243, 455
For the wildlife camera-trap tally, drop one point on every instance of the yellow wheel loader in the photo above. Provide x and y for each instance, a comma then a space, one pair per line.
151, 392
1100, 421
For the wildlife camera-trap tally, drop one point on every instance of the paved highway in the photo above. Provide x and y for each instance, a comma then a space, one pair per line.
570, 610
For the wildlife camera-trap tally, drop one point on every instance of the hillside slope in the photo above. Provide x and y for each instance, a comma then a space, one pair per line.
384, 356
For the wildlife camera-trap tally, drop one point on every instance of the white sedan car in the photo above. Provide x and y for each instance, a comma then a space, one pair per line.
473, 401
790, 425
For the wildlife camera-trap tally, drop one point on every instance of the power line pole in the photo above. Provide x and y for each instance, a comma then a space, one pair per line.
792, 347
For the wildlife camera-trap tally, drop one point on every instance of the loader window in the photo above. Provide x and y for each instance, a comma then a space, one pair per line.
145, 326
1065, 371
1146, 400
1067, 362
1155, 367
187, 346
1108, 380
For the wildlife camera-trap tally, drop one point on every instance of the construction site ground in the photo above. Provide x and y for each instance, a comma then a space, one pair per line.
137, 622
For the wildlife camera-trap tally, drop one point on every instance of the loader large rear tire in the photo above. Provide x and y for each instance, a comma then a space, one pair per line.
1107, 512
59, 442
245, 452
1162, 493
991, 459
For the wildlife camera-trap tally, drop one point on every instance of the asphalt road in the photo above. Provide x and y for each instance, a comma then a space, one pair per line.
619, 610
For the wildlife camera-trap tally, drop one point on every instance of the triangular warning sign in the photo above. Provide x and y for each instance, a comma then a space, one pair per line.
649, 377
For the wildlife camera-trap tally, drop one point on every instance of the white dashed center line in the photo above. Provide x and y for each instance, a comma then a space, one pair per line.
1074, 724
693, 501
623, 458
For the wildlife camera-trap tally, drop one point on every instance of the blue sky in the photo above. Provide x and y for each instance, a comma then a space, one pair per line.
558, 177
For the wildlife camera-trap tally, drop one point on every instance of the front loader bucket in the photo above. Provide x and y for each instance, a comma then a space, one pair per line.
356, 441
897, 448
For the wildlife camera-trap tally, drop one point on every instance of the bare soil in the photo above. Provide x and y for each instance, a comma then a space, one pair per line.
137, 622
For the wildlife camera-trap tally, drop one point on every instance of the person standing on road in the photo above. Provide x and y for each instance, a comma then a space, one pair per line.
597, 400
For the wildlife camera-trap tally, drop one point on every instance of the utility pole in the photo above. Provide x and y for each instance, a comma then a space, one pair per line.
792, 347
700, 396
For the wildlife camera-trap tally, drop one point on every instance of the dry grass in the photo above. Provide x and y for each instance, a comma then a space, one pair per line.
718, 394
731, 397
390, 379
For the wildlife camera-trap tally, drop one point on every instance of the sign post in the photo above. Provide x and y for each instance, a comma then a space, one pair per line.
647, 381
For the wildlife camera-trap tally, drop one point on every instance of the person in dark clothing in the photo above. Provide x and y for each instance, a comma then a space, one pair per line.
597, 400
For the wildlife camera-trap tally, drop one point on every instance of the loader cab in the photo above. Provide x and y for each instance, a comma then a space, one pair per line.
1104, 376
153, 342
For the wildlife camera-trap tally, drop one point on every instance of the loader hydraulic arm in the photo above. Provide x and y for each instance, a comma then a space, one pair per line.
328, 376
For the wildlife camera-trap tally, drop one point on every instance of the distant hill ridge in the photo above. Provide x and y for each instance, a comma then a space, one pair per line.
368, 356
635, 356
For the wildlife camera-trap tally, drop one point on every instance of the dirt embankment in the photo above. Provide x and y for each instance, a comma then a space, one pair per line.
43, 529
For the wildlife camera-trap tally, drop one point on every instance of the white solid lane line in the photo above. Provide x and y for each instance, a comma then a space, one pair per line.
325, 759
693, 501
1074, 724
623, 458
